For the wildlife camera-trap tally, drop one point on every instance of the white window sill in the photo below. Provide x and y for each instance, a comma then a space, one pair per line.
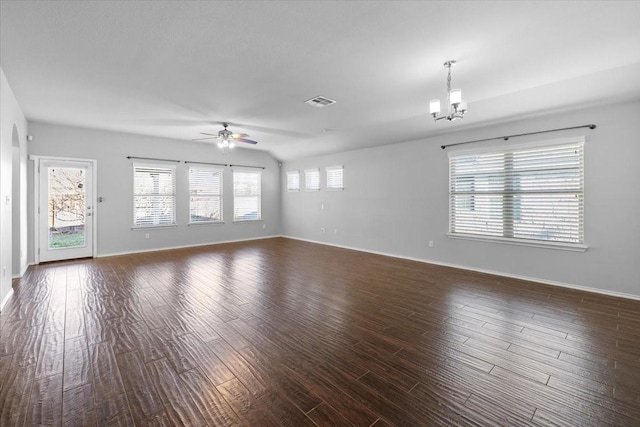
156, 226
239, 221
335, 189
522, 242
205, 223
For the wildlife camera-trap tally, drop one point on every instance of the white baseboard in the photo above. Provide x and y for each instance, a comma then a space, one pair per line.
22, 271
183, 246
480, 270
6, 299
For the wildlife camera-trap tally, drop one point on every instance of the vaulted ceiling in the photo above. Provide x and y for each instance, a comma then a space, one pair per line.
177, 68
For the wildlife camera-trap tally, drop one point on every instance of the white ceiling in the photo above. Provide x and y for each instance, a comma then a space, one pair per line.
175, 69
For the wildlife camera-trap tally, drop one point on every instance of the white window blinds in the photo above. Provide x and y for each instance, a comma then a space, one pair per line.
335, 178
534, 193
246, 195
312, 179
205, 194
293, 181
154, 195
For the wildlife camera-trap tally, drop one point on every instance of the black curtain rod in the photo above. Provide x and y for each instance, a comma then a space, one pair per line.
152, 158
506, 138
243, 166
206, 163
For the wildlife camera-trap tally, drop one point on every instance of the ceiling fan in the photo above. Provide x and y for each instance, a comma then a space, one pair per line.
226, 138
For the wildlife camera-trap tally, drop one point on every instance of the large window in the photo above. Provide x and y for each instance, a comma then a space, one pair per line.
312, 179
205, 195
521, 194
335, 179
246, 195
293, 181
154, 196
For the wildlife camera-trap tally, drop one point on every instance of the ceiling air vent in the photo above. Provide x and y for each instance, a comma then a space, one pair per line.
320, 101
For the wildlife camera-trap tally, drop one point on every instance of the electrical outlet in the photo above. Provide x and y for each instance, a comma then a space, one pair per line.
335, 231
146, 236
430, 243
264, 226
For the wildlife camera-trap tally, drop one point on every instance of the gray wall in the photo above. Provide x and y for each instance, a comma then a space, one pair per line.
115, 184
396, 200
13, 196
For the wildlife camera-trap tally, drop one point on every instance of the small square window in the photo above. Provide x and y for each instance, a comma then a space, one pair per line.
312, 179
293, 181
335, 178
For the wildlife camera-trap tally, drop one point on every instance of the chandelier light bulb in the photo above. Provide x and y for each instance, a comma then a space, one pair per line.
434, 106
455, 97
232, 144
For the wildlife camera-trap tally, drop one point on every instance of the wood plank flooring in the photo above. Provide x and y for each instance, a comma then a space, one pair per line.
279, 332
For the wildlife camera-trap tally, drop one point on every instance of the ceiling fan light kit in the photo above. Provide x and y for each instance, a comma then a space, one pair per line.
456, 106
225, 143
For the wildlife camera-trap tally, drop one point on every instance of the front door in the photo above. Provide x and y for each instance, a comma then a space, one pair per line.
66, 212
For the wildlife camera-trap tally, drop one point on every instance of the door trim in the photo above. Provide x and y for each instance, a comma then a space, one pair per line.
36, 201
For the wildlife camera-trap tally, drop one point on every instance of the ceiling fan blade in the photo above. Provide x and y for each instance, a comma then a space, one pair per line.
248, 141
239, 135
210, 134
200, 139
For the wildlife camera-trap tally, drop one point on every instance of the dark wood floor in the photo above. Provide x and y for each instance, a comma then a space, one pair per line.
281, 332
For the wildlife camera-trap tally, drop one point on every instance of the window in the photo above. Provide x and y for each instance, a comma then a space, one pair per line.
312, 179
205, 195
154, 195
293, 181
529, 194
246, 195
335, 178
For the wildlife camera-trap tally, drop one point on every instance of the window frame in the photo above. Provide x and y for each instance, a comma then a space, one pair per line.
307, 181
211, 196
511, 214
329, 169
259, 195
160, 167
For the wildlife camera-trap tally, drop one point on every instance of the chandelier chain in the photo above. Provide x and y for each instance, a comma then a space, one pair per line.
449, 88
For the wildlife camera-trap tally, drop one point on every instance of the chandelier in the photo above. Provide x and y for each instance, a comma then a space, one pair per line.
456, 105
